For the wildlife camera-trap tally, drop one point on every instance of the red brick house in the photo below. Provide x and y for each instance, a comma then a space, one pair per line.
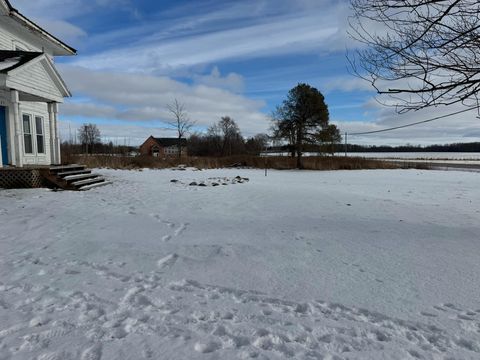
163, 147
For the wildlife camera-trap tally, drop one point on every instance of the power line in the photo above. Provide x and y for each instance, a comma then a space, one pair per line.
413, 124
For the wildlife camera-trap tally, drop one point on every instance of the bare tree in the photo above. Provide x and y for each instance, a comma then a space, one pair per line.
88, 136
420, 52
256, 144
232, 138
181, 122
225, 137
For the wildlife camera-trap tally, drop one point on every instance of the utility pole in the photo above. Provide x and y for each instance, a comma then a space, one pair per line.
346, 143
265, 158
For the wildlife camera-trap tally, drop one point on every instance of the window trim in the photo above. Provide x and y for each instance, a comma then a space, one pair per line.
42, 134
30, 133
19, 46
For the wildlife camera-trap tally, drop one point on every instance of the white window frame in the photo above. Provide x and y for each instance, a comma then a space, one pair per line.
19, 46
37, 134
32, 136
155, 151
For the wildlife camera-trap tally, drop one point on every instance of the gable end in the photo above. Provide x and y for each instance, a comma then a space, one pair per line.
62, 48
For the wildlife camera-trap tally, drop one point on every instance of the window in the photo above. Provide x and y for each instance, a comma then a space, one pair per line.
40, 135
27, 134
18, 46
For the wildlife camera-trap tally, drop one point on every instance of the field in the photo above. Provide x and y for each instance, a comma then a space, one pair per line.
470, 156
373, 264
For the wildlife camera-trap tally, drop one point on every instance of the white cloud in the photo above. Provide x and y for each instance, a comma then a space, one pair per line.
120, 134
232, 81
281, 36
463, 127
68, 32
66, 9
56, 15
143, 98
347, 84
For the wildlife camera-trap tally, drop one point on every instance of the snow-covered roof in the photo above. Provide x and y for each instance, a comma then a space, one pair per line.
10, 59
13, 63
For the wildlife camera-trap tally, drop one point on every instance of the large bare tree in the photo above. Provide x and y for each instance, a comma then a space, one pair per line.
180, 122
88, 136
226, 137
420, 52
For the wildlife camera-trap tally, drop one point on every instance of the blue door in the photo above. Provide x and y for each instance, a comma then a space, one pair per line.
3, 135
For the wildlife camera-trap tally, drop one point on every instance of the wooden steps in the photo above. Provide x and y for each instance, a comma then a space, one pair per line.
74, 172
73, 177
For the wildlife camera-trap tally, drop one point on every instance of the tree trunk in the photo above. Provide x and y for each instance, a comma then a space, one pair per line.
179, 147
299, 147
299, 160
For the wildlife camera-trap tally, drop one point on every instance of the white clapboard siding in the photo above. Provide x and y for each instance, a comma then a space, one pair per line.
35, 77
8, 39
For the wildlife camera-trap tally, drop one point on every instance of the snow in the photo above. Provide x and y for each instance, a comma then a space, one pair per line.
8, 63
304, 265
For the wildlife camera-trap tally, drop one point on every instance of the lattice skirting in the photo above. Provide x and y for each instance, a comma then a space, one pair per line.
21, 178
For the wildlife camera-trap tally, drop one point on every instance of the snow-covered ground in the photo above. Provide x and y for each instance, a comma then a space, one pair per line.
302, 265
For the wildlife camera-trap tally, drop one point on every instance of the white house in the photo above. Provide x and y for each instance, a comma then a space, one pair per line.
30, 91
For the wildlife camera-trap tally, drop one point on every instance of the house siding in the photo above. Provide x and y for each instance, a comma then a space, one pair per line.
33, 109
8, 39
33, 87
146, 147
36, 78
164, 151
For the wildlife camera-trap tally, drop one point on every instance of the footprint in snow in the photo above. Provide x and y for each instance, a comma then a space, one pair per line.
180, 229
167, 261
427, 314
92, 353
166, 238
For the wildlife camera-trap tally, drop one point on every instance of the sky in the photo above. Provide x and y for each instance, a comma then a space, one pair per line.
219, 58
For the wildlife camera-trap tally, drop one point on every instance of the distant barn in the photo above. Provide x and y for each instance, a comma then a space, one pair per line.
163, 147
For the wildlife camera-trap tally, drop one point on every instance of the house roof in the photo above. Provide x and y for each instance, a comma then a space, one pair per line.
14, 63
19, 17
10, 59
165, 142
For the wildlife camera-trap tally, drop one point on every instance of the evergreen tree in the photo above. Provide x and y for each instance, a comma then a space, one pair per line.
302, 119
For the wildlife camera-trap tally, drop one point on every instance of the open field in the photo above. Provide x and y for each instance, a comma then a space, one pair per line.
272, 162
468, 156
376, 264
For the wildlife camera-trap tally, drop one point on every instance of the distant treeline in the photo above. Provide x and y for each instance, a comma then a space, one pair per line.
97, 148
352, 148
458, 147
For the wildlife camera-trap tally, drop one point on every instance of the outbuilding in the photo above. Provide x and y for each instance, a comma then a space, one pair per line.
164, 147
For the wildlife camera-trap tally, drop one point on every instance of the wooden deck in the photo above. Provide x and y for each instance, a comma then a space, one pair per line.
66, 177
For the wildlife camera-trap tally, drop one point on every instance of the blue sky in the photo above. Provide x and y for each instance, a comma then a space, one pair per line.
236, 58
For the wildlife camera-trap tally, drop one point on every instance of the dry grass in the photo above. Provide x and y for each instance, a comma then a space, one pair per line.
280, 163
